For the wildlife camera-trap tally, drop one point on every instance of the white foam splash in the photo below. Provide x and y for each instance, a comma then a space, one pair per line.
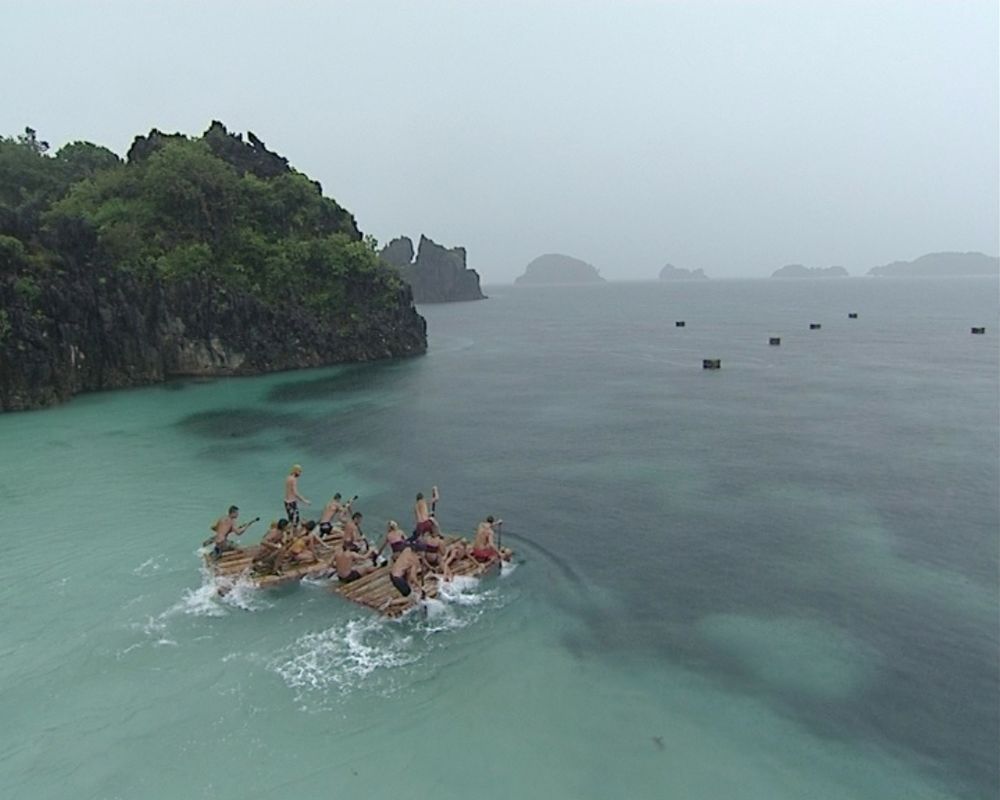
340, 658
148, 567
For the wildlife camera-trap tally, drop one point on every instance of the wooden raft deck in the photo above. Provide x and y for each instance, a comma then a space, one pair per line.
236, 564
376, 591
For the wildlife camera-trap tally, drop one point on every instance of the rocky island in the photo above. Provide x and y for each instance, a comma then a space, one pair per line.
672, 273
942, 265
194, 256
555, 268
799, 271
437, 275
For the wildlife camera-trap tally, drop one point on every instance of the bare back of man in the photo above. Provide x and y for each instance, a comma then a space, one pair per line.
350, 566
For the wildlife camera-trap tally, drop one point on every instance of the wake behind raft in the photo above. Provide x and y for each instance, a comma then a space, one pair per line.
374, 590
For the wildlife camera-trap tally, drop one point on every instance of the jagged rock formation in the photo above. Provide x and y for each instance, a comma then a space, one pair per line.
555, 268
672, 273
799, 271
207, 256
438, 275
942, 265
84, 332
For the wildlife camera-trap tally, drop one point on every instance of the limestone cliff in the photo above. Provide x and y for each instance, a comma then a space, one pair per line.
437, 275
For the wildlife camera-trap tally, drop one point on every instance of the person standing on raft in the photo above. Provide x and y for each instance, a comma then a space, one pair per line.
292, 496
423, 516
484, 546
223, 527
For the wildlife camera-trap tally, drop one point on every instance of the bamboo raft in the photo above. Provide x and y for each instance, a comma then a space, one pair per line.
373, 590
236, 564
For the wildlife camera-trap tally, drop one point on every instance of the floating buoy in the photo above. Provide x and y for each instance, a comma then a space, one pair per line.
679, 323
711, 363
852, 315
979, 330
775, 340
814, 326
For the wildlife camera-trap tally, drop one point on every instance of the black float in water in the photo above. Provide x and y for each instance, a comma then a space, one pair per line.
774, 340
852, 315
979, 330
814, 326
679, 323
711, 363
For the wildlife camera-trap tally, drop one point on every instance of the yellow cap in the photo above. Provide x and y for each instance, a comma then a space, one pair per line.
296, 468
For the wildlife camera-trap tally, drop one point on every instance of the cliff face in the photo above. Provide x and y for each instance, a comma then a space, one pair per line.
942, 265
799, 271
672, 273
438, 275
83, 332
555, 268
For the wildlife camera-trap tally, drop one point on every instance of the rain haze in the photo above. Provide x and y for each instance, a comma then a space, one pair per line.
732, 137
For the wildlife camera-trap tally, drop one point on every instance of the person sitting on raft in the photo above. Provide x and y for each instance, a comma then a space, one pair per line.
405, 572
350, 565
483, 545
455, 552
394, 538
223, 527
422, 515
301, 549
270, 546
433, 546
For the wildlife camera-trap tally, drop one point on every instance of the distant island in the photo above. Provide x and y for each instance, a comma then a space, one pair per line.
799, 271
672, 273
555, 268
437, 275
941, 265
193, 256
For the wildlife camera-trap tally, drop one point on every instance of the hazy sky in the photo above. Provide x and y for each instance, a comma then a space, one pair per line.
732, 136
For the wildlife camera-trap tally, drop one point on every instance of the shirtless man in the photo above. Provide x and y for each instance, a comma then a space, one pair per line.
422, 515
483, 545
223, 527
350, 566
433, 546
292, 496
353, 537
331, 511
301, 548
405, 572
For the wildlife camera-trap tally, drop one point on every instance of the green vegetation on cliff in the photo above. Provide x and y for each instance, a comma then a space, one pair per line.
178, 218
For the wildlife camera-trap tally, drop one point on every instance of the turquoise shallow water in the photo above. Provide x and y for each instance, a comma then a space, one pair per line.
774, 581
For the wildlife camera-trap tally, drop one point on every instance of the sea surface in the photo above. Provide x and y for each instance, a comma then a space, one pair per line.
775, 580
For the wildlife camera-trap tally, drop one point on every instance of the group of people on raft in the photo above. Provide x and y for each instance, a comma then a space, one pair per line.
290, 541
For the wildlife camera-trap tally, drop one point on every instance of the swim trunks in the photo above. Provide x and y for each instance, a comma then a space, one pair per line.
484, 554
292, 511
325, 528
401, 585
352, 576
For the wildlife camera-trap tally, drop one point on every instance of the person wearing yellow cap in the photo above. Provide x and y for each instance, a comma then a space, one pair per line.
292, 496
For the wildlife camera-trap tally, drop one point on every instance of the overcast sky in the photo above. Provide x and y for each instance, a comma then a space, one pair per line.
732, 136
